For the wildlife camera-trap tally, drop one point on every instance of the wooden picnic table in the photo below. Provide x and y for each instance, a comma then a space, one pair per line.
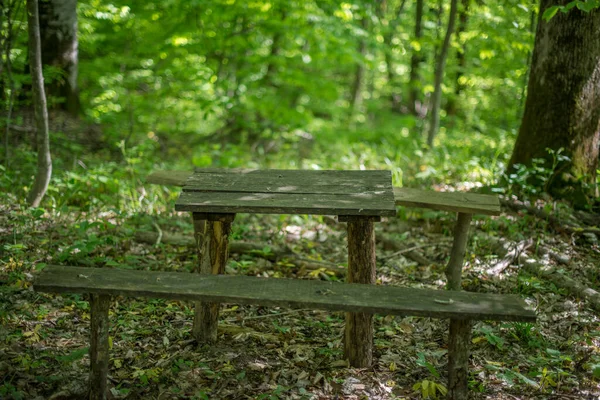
359, 198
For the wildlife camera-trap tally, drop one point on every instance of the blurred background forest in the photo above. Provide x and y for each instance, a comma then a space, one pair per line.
310, 84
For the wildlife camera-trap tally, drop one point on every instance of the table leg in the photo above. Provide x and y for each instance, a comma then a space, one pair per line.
212, 248
358, 337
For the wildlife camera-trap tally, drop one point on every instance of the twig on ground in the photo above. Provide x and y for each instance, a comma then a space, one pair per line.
406, 250
511, 254
160, 234
391, 244
267, 315
554, 275
555, 222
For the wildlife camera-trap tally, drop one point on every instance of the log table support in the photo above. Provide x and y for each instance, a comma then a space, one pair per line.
99, 305
358, 336
460, 330
212, 239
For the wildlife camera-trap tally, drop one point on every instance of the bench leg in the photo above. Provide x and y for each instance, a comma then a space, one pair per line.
212, 248
99, 305
358, 337
460, 330
458, 359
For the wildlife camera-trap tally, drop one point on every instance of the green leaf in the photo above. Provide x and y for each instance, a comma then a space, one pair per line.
550, 12
587, 6
596, 370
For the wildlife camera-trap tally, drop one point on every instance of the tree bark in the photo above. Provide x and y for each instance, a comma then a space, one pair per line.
58, 26
461, 59
44, 167
440, 67
359, 74
415, 63
388, 38
563, 103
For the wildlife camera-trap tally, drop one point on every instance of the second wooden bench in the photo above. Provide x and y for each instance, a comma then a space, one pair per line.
102, 284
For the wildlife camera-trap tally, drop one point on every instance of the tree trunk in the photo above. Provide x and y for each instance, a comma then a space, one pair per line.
359, 74
58, 27
415, 63
388, 38
461, 59
44, 168
563, 103
440, 67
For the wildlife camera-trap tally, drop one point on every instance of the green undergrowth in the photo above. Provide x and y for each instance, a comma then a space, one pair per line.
97, 203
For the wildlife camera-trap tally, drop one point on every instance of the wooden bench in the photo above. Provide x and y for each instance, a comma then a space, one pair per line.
102, 284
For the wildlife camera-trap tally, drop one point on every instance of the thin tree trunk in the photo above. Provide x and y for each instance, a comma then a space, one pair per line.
461, 59
58, 29
44, 167
415, 63
359, 74
388, 37
532, 26
440, 67
563, 103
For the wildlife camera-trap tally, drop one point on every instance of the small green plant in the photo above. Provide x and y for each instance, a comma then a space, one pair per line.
536, 178
274, 395
487, 334
423, 362
429, 389
146, 375
527, 333
73, 356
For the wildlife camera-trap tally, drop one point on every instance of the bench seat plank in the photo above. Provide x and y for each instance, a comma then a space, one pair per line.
291, 293
468, 203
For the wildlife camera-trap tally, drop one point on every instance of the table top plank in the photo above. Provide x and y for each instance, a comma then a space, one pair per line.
365, 204
368, 193
290, 181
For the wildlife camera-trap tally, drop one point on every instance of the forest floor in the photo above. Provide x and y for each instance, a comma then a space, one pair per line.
273, 353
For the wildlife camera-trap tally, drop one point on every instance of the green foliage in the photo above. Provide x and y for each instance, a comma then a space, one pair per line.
490, 336
535, 179
585, 6
429, 389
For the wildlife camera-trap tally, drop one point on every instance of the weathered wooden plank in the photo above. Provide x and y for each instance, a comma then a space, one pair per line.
292, 293
169, 178
469, 203
292, 181
358, 334
278, 203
